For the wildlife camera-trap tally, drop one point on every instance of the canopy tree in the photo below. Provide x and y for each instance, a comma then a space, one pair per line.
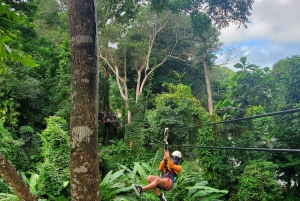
286, 80
208, 35
219, 13
110, 13
52, 20
130, 49
249, 87
84, 100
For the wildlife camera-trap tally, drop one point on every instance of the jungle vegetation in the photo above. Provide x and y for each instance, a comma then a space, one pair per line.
156, 70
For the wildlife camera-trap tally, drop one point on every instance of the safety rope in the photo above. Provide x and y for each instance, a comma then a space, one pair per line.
166, 149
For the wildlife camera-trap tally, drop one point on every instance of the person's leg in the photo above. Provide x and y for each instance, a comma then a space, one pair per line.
155, 183
150, 179
157, 192
160, 195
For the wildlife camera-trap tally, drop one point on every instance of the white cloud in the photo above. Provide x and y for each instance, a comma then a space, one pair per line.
272, 34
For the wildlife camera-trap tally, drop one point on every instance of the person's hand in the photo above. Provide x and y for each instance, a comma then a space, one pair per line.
167, 154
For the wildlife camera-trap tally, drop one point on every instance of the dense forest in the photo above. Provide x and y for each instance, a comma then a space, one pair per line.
157, 68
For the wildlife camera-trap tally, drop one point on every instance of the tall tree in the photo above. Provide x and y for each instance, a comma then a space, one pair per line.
111, 12
208, 35
220, 13
133, 56
84, 100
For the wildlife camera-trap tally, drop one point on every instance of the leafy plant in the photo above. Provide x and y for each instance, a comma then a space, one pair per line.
258, 182
54, 172
190, 185
113, 184
31, 181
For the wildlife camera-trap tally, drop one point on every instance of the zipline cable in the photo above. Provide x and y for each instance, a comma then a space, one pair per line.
234, 148
244, 118
239, 148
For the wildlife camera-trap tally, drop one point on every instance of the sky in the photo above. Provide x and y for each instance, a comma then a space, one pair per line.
273, 33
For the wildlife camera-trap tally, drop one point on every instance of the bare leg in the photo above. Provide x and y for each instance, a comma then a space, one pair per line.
157, 192
156, 182
150, 179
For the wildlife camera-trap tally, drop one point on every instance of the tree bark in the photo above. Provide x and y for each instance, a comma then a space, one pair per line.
11, 176
208, 85
84, 100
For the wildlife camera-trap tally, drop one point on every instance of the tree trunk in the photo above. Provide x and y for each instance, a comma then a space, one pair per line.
11, 176
106, 109
84, 100
208, 86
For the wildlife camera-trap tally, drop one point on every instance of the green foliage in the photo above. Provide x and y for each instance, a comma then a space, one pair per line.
113, 184
61, 98
190, 185
8, 197
51, 20
220, 77
8, 145
117, 186
116, 151
174, 110
287, 132
133, 136
249, 87
28, 95
7, 148
221, 12
31, 181
258, 182
54, 172
7, 36
286, 81
121, 11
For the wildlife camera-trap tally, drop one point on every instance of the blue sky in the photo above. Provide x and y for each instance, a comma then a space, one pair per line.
272, 34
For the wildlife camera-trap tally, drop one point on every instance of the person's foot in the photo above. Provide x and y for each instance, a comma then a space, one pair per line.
137, 189
162, 197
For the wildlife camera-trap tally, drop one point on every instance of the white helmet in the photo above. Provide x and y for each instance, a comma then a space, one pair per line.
177, 153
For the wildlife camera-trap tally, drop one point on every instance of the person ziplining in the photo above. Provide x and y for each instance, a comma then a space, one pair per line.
170, 168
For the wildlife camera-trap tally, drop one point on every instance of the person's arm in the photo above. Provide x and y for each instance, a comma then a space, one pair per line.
161, 165
176, 168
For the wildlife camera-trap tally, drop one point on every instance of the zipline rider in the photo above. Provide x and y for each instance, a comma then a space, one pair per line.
166, 181
170, 168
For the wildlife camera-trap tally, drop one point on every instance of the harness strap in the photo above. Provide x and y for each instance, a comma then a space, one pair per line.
171, 171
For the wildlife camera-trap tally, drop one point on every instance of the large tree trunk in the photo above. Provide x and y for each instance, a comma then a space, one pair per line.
84, 100
11, 176
208, 85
